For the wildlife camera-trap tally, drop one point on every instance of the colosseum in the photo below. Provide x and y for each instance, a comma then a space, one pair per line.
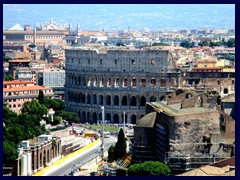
120, 79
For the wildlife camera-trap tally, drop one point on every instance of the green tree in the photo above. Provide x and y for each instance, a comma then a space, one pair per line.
56, 104
149, 168
20, 127
203, 43
6, 59
187, 44
231, 42
69, 116
10, 152
160, 44
121, 145
40, 97
212, 44
111, 153
34, 108
7, 77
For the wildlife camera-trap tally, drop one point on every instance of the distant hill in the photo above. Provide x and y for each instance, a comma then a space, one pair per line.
112, 16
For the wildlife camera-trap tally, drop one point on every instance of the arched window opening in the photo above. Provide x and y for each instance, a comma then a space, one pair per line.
109, 82
94, 118
116, 83
116, 101
134, 82
142, 101
163, 83
94, 99
88, 99
124, 101
133, 101
108, 100
83, 98
143, 82
125, 82
100, 100
134, 119
108, 117
115, 118
153, 82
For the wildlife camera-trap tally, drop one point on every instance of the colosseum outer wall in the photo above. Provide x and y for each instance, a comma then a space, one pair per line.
120, 80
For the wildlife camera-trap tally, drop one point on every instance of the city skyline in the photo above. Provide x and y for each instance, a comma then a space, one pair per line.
112, 17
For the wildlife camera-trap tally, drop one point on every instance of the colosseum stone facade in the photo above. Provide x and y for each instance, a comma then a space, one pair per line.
118, 79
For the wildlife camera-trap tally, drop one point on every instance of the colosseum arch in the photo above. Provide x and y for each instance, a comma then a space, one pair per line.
108, 116
100, 116
94, 117
116, 118
116, 82
88, 99
100, 99
95, 82
134, 82
84, 81
83, 98
79, 81
163, 82
109, 82
133, 119
116, 100
108, 100
153, 82
142, 101
83, 116
94, 100
133, 101
124, 101
101, 82
143, 82
124, 82
89, 118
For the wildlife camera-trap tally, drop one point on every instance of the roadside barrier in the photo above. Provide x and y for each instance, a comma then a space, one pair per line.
66, 158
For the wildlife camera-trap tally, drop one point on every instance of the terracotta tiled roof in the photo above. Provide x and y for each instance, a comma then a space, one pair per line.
26, 88
17, 82
19, 60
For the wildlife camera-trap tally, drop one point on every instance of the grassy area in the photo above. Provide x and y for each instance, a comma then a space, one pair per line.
106, 128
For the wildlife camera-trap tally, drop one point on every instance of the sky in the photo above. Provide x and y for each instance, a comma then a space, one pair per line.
122, 16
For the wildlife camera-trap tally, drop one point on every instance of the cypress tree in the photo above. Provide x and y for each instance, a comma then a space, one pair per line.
40, 97
121, 145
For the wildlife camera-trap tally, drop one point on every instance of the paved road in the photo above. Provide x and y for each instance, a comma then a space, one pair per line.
66, 169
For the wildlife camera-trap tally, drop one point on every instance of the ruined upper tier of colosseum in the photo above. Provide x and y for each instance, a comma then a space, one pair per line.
121, 80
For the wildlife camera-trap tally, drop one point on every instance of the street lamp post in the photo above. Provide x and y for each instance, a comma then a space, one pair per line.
102, 131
